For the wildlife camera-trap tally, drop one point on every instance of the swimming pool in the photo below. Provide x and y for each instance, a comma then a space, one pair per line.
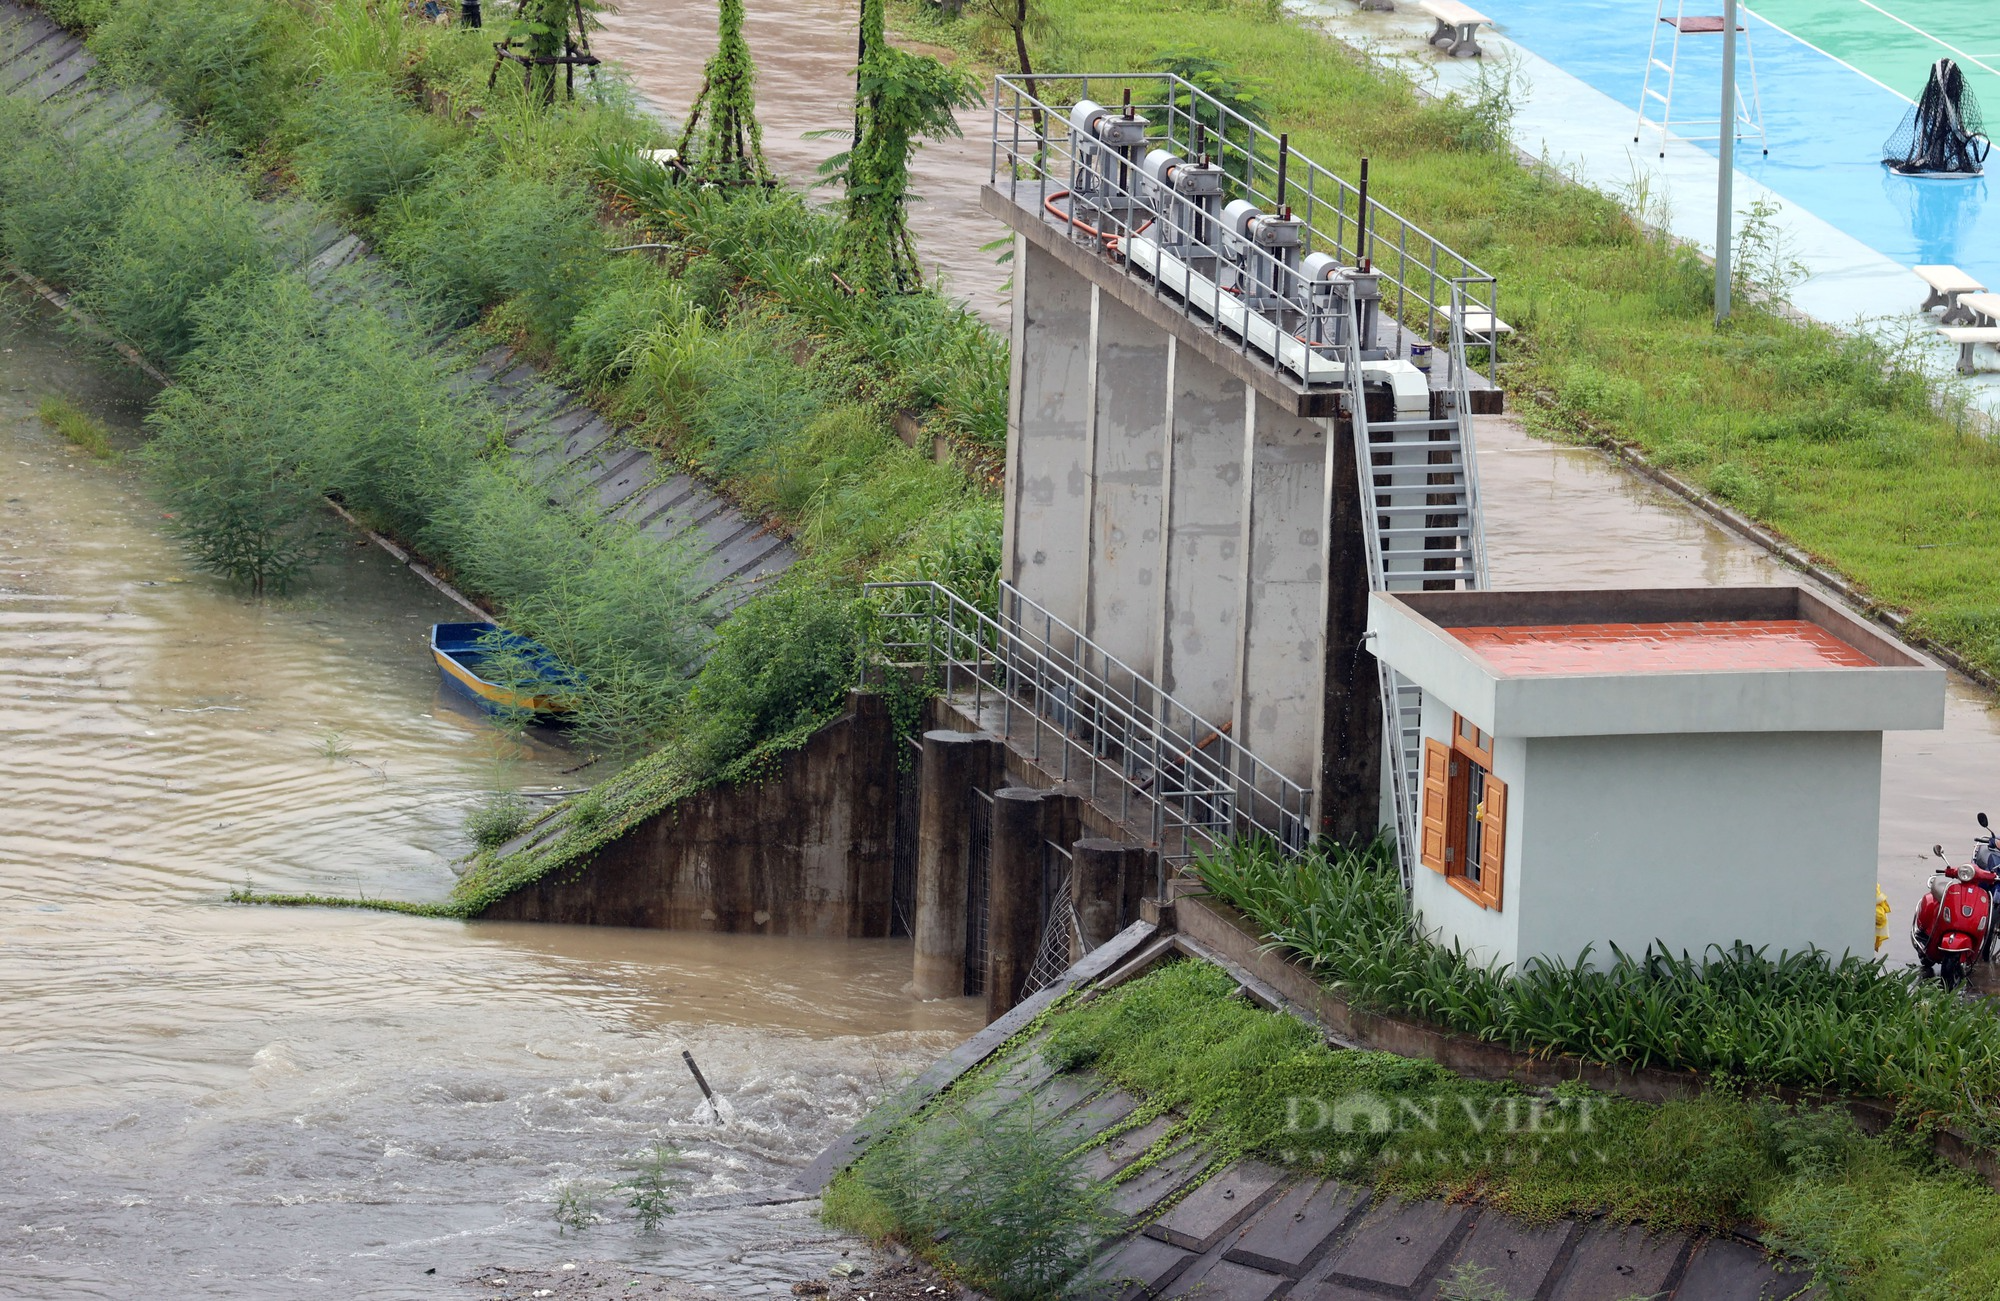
1835, 77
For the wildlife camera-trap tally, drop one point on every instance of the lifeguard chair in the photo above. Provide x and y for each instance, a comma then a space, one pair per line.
1749, 110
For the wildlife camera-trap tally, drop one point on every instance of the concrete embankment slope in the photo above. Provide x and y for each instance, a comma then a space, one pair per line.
582, 461
1198, 1225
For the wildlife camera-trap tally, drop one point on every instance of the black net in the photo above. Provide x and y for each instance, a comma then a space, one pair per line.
1944, 134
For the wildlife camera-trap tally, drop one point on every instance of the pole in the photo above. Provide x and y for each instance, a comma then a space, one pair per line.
1726, 168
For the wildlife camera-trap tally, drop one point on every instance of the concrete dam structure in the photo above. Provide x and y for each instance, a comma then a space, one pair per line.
1231, 419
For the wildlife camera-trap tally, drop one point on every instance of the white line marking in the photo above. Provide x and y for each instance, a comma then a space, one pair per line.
1870, 4
1824, 54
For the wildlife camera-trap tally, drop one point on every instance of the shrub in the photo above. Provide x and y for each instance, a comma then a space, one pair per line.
998, 1187
60, 203
782, 663
245, 504
183, 233
478, 233
359, 147
220, 62
498, 820
632, 298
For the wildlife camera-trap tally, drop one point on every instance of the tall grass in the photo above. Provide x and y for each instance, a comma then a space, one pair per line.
1803, 1019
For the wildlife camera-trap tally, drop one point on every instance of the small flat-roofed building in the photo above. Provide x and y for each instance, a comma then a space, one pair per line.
1687, 766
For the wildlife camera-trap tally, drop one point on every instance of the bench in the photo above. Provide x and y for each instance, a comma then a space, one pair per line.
1966, 336
1947, 284
1985, 308
1483, 329
1456, 25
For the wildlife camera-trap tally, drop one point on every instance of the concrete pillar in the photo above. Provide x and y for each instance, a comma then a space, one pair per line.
1280, 698
1014, 919
1201, 598
1108, 878
955, 765
1350, 749
1130, 390
871, 816
1048, 463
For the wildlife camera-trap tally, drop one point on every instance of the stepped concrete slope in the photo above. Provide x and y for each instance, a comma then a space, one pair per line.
1245, 1230
583, 461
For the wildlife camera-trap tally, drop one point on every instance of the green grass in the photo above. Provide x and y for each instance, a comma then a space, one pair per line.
1246, 1082
1834, 443
85, 431
1849, 1027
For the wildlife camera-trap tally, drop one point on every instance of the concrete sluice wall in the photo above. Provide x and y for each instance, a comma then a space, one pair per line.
1003, 873
583, 462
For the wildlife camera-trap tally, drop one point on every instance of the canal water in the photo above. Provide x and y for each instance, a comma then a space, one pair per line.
199, 1098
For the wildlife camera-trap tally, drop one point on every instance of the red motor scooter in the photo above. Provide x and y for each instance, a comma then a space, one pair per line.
1953, 927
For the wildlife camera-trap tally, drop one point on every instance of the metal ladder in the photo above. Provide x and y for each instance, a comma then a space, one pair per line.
1749, 109
1421, 527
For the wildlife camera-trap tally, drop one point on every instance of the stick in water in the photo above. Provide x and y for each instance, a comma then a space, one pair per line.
706, 1092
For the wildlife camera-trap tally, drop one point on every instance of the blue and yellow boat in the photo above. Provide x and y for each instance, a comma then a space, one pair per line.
463, 652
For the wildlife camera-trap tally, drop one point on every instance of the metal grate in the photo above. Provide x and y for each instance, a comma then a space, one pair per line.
909, 813
978, 889
1061, 937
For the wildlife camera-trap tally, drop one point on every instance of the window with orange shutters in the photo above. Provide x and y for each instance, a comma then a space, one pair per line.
1464, 814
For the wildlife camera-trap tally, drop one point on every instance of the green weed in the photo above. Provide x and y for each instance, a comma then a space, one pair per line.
498, 820
997, 1189
86, 431
652, 1185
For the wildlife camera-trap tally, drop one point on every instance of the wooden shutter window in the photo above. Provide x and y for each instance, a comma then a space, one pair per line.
1492, 840
1436, 805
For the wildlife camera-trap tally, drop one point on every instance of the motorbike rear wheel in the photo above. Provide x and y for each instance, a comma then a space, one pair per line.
1951, 969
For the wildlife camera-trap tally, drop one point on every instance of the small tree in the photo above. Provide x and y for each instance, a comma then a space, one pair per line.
899, 99
556, 37
732, 147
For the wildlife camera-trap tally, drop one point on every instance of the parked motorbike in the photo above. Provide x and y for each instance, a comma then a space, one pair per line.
1953, 925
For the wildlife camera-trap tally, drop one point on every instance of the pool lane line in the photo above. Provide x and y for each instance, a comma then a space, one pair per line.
1973, 59
1825, 54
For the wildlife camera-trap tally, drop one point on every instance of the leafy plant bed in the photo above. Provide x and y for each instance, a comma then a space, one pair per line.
1919, 1060
1878, 1217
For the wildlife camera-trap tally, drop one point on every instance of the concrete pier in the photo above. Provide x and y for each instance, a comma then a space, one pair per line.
956, 764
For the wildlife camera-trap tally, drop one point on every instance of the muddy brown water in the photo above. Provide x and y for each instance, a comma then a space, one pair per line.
198, 1098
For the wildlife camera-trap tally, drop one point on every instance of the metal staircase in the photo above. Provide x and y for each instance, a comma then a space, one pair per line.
1422, 529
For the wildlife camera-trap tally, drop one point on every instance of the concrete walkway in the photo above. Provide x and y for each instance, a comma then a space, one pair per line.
584, 463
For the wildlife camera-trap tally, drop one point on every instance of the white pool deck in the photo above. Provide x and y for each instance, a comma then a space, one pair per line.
1588, 136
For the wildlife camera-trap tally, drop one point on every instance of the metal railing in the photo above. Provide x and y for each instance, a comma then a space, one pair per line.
1088, 718
1040, 159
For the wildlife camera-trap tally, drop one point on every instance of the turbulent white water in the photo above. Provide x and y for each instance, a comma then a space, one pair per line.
198, 1098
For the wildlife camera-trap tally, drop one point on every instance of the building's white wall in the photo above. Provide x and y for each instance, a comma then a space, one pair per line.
1490, 936
1696, 840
